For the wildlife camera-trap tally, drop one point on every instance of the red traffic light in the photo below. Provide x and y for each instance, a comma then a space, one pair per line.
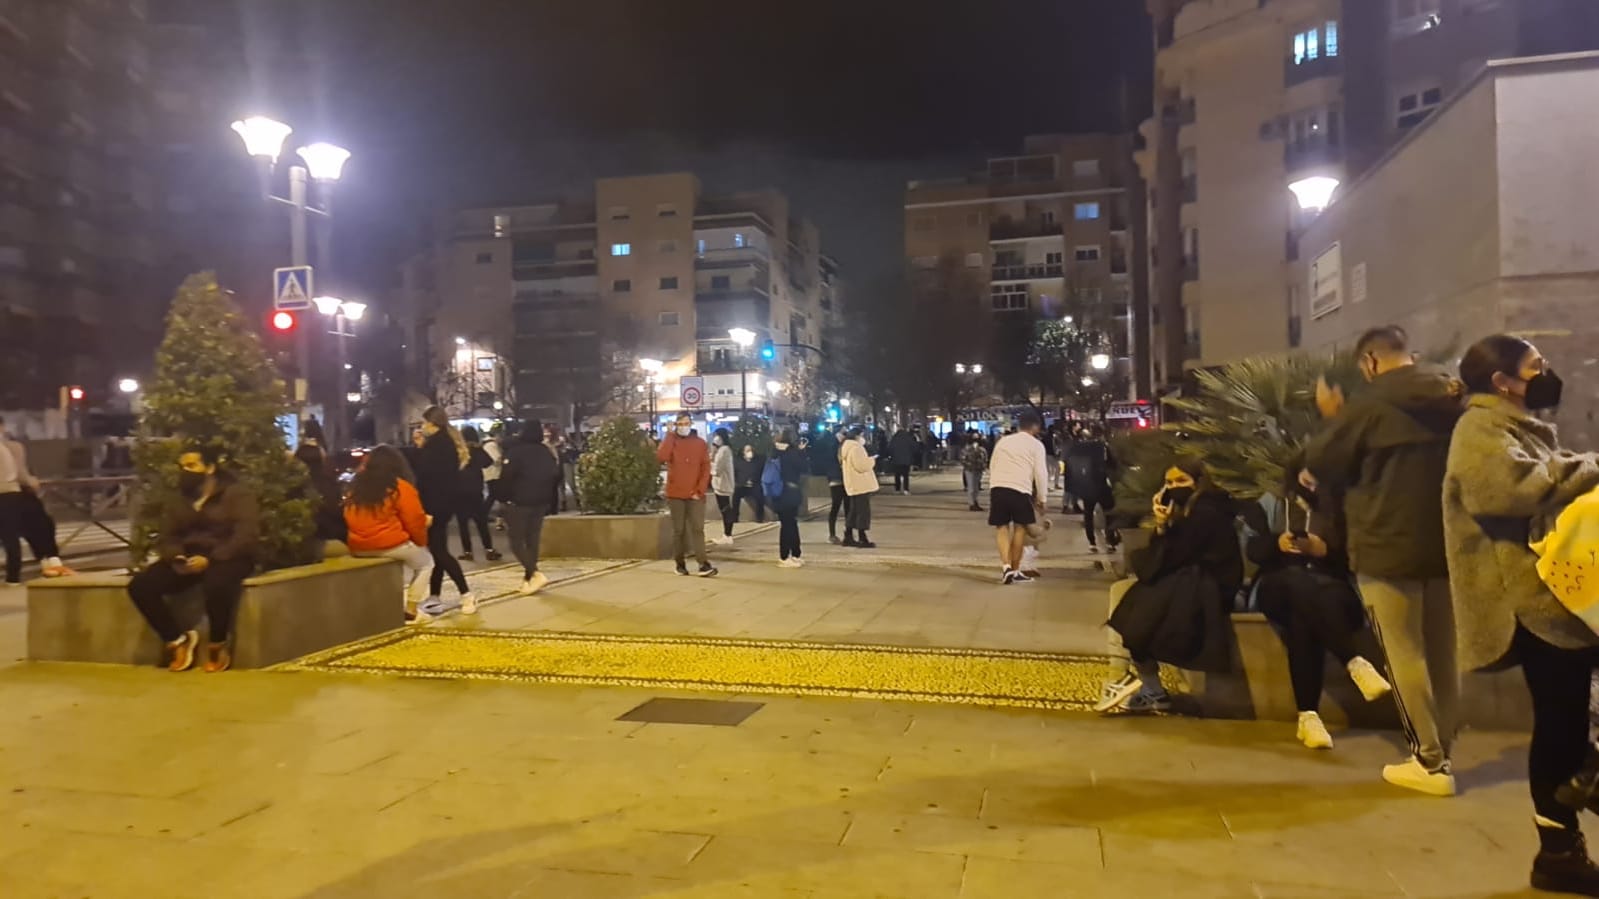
282, 321
76, 393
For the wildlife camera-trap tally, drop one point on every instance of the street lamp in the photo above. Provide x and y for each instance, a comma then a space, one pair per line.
745, 338
1099, 361
652, 371
128, 385
1315, 193
1087, 381
773, 387
340, 311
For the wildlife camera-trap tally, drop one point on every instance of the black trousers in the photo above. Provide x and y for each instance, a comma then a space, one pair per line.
443, 562
11, 512
756, 498
525, 524
840, 501
787, 508
902, 477
1113, 537
38, 528
729, 510
221, 582
480, 515
1558, 680
1314, 614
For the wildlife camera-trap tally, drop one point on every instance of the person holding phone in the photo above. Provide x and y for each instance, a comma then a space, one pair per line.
1305, 590
1177, 606
688, 478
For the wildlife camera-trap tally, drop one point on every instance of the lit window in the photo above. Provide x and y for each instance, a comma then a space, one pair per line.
502, 224
622, 286
738, 240
699, 246
1087, 211
668, 319
1087, 254
1330, 43
621, 249
669, 283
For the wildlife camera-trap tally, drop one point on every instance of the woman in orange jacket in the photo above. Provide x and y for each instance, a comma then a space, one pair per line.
384, 515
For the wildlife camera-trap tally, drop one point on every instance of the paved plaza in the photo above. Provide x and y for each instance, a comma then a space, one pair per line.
313, 785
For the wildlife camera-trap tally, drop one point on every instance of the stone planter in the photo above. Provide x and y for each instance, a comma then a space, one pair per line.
643, 536
283, 614
816, 488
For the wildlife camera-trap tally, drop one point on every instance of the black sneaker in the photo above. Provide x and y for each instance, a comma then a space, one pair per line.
465, 557
865, 544
1565, 870
492, 555
706, 570
682, 569
1008, 577
849, 541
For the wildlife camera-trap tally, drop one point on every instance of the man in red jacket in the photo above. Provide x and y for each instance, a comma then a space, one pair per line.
688, 477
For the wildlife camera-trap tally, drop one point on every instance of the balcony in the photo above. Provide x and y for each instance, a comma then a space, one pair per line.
553, 268
1010, 229
716, 312
1311, 69
732, 257
1028, 272
1314, 153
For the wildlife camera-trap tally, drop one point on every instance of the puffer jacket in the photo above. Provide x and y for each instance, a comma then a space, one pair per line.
860, 475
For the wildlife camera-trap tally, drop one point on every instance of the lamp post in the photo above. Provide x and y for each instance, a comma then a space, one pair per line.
652, 372
745, 338
1099, 361
341, 311
263, 140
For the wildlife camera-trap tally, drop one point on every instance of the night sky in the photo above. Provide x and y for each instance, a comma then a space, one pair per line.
458, 102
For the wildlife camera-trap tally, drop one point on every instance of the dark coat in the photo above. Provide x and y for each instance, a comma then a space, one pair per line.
328, 515
438, 476
903, 448
226, 527
794, 467
747, 472
472, 474
1090, 469
530, 476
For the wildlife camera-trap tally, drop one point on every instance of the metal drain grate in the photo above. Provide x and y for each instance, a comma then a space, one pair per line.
712, 712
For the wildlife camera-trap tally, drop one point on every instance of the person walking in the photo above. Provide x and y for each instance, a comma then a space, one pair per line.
11, 512
792, 468
1386, 452
30, 521
472, 508
974, 461
860, 482
688, 477
571, 452
530, 481
902, 450
1305, 590
1090, 474
724, 482
829, 450
1019, 487
208, 538
384, 517
1506, 478
494, 446
747, 477
439, 463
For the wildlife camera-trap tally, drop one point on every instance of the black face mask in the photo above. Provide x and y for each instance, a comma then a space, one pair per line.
1177, 497
190, 483
1543, 390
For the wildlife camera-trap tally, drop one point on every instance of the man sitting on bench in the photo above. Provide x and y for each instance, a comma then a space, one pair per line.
208, 539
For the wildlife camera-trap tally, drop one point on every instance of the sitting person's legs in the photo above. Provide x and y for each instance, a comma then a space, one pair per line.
222, 583
149, 590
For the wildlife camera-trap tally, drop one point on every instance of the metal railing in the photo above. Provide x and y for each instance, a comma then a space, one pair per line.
92, 505
1026, 272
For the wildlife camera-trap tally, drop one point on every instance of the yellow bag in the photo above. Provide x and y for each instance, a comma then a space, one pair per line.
1568, 558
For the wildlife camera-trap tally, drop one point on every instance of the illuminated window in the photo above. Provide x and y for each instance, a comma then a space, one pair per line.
1087, 211
738, 240
621, 249
1314, 43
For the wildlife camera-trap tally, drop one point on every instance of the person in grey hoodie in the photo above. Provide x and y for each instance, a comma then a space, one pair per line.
723, 481
1386, 450
1507, 479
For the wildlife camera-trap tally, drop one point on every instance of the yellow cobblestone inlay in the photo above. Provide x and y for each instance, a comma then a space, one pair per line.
975, 676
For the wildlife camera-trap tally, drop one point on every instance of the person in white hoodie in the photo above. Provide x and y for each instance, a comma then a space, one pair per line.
1019, 477
860, 482
22, 514
723, 482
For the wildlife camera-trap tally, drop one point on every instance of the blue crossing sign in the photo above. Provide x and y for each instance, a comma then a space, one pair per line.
291, 288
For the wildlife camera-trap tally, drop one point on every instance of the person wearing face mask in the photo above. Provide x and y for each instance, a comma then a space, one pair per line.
1385, 452
860, 482
208, 538
1304, 590
1507, 479
688, 477
438, 464
792, 468
723, 482
1177, 606
747, 469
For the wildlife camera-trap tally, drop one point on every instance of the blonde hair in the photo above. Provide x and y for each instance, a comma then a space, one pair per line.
438, 418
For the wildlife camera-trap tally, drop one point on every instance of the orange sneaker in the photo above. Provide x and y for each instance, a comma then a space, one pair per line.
180, 652
217, 658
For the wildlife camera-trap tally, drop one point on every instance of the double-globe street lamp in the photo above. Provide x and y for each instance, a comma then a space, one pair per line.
652, 376
323, 163
341, 311
745, 338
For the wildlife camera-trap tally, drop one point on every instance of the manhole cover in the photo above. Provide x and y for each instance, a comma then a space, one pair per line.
715, 712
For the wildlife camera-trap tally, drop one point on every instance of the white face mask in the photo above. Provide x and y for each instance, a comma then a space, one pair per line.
717, 440
749, 454
682, 430
780, 446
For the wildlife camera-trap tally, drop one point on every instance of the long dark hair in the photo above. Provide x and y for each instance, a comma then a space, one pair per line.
378, 477
1495, 354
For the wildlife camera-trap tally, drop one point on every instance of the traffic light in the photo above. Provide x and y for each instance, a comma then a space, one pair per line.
768, 351
282, 321
75, 393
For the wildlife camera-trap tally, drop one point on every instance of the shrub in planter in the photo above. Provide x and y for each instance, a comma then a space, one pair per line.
754, 431
620, 473
215, 385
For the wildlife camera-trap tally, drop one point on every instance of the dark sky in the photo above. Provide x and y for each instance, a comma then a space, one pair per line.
455, 102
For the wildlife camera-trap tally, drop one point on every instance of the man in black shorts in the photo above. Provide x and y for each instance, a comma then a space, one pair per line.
1019, 475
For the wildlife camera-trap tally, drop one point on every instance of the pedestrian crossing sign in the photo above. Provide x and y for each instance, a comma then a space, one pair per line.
291, 287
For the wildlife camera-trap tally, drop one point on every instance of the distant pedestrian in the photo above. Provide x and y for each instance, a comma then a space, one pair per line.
974, 461
1090, 476
829, 450
724, 483
860, 482
23, 516
1019, 478
747, 469
327, 516
384, 517
792, 469
438, 466
688, 478
531, 478
570, 452
472, 508
903, 449
494, 446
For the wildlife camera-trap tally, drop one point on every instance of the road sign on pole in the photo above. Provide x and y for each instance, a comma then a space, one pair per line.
691, 391
291, 287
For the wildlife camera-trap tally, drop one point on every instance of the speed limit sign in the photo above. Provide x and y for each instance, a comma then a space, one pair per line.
691, 391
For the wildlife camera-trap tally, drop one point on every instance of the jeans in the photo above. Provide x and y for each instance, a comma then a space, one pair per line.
1558, 680
840, 501
11, 512
525, 524
787, 507
1315, 614
443, 562
480, 515
418, 564
729, 510
222, 582
1415, 623
754, 495
974, 487
902, 477
688, 529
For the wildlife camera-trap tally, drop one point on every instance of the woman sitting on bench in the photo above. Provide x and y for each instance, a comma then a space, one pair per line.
208, 540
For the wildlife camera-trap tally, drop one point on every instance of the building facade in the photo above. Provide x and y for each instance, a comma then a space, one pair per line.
77, 198
1253, 100
559, 301
1053, 231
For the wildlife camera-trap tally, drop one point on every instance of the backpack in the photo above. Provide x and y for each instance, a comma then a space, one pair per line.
772, 479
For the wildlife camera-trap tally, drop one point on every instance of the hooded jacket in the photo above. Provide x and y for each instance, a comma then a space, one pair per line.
688, 466
1387, 451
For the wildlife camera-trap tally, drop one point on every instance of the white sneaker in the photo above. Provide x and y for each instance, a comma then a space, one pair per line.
1412, 775
537, 582
788, 563
468, 604
1117, 692
722, 541
1368, 679
1312, 732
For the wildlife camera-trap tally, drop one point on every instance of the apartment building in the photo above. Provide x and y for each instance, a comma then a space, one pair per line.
559, 300
77, 197
1258, 99
1055, 229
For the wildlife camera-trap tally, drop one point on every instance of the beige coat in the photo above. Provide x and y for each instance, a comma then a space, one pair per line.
1506, 478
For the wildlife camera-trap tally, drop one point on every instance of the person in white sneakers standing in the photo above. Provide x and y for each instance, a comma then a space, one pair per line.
530, 482
723, 482
1018, 476
24, 517
860, 482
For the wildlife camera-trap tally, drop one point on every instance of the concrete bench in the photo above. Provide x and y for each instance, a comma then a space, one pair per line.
283, 614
